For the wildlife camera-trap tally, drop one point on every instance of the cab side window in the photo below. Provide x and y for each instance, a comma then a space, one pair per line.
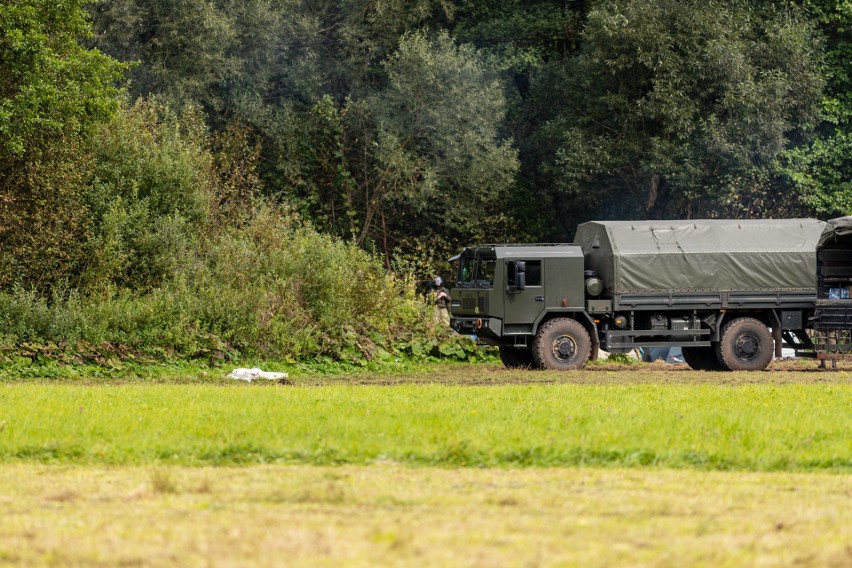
533, 273
532, 270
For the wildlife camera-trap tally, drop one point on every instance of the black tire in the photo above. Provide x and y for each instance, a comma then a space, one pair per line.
702, 358
517, 358
746, 345
561, 344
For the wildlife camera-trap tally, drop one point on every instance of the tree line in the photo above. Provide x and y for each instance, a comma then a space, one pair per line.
138, 138
404, 125
411, 126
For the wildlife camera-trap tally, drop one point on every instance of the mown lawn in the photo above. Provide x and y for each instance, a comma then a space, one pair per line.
743, 426
444, 466
387, 515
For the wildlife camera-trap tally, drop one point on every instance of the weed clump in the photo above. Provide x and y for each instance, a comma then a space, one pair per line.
163, 482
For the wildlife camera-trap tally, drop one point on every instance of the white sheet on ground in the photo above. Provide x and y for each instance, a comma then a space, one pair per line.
252, 374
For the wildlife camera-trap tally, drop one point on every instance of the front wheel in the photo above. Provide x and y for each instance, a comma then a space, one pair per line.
746, 345
562, 344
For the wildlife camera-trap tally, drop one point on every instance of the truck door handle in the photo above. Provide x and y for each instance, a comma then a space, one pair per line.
539, 298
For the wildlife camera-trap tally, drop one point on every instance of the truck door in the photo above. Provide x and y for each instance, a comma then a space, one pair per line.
524, 297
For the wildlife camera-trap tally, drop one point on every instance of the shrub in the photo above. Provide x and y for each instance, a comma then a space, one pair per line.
273, 288
185, 260
151, 194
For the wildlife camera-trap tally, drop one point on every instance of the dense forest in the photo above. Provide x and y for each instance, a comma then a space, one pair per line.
272, 176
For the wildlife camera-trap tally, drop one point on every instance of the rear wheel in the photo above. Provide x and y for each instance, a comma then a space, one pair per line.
517, 358
746, 345
702, 358
561, 344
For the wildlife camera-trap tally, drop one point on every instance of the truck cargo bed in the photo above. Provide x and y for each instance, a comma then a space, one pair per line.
715, 261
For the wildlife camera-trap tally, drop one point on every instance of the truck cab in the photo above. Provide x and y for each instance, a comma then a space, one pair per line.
504, 293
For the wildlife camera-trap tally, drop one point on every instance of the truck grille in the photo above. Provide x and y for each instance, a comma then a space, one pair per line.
475, 303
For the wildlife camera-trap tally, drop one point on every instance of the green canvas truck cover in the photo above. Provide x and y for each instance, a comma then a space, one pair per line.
835, 229
702, 255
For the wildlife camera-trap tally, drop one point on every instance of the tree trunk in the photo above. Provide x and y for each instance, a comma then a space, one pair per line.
653, 187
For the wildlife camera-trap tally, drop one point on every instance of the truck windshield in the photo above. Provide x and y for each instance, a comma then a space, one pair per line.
476, 269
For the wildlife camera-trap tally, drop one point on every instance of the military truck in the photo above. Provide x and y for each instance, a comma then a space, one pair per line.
729, 293
833, 314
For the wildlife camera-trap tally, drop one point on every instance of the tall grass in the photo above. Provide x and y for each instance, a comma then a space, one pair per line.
749, 427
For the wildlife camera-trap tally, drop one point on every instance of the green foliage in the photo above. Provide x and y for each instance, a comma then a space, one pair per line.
620, 359
272, 288
373, 128
44, 221
178, 257
674, 106
50, 84
152, 192
381, 127
185, 46
52, 94
445, 105
538, 28
822, 168
424, 151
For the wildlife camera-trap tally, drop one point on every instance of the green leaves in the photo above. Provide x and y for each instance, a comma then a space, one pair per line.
503, 120
670, 102
420, 152
53, 92
822, 168
50, 84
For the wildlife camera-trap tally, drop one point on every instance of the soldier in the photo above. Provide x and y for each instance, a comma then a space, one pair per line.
442, 302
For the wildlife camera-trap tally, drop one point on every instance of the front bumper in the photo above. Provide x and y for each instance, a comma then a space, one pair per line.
486, 328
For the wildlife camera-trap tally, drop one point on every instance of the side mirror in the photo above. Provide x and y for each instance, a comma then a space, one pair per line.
516, 276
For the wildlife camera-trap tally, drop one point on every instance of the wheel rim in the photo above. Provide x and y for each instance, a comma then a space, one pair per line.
564, 348
747, 347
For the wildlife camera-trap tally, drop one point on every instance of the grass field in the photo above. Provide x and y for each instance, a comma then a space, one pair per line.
399, 516
473, 466
710, 426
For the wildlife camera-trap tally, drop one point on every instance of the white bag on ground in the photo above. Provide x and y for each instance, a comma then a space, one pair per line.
252, 374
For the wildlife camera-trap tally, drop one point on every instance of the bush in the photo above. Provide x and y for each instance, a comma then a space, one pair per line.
151, 195
274, 288
185, 260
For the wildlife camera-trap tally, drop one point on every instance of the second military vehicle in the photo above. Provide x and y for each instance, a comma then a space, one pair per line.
728, 292
833, 314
